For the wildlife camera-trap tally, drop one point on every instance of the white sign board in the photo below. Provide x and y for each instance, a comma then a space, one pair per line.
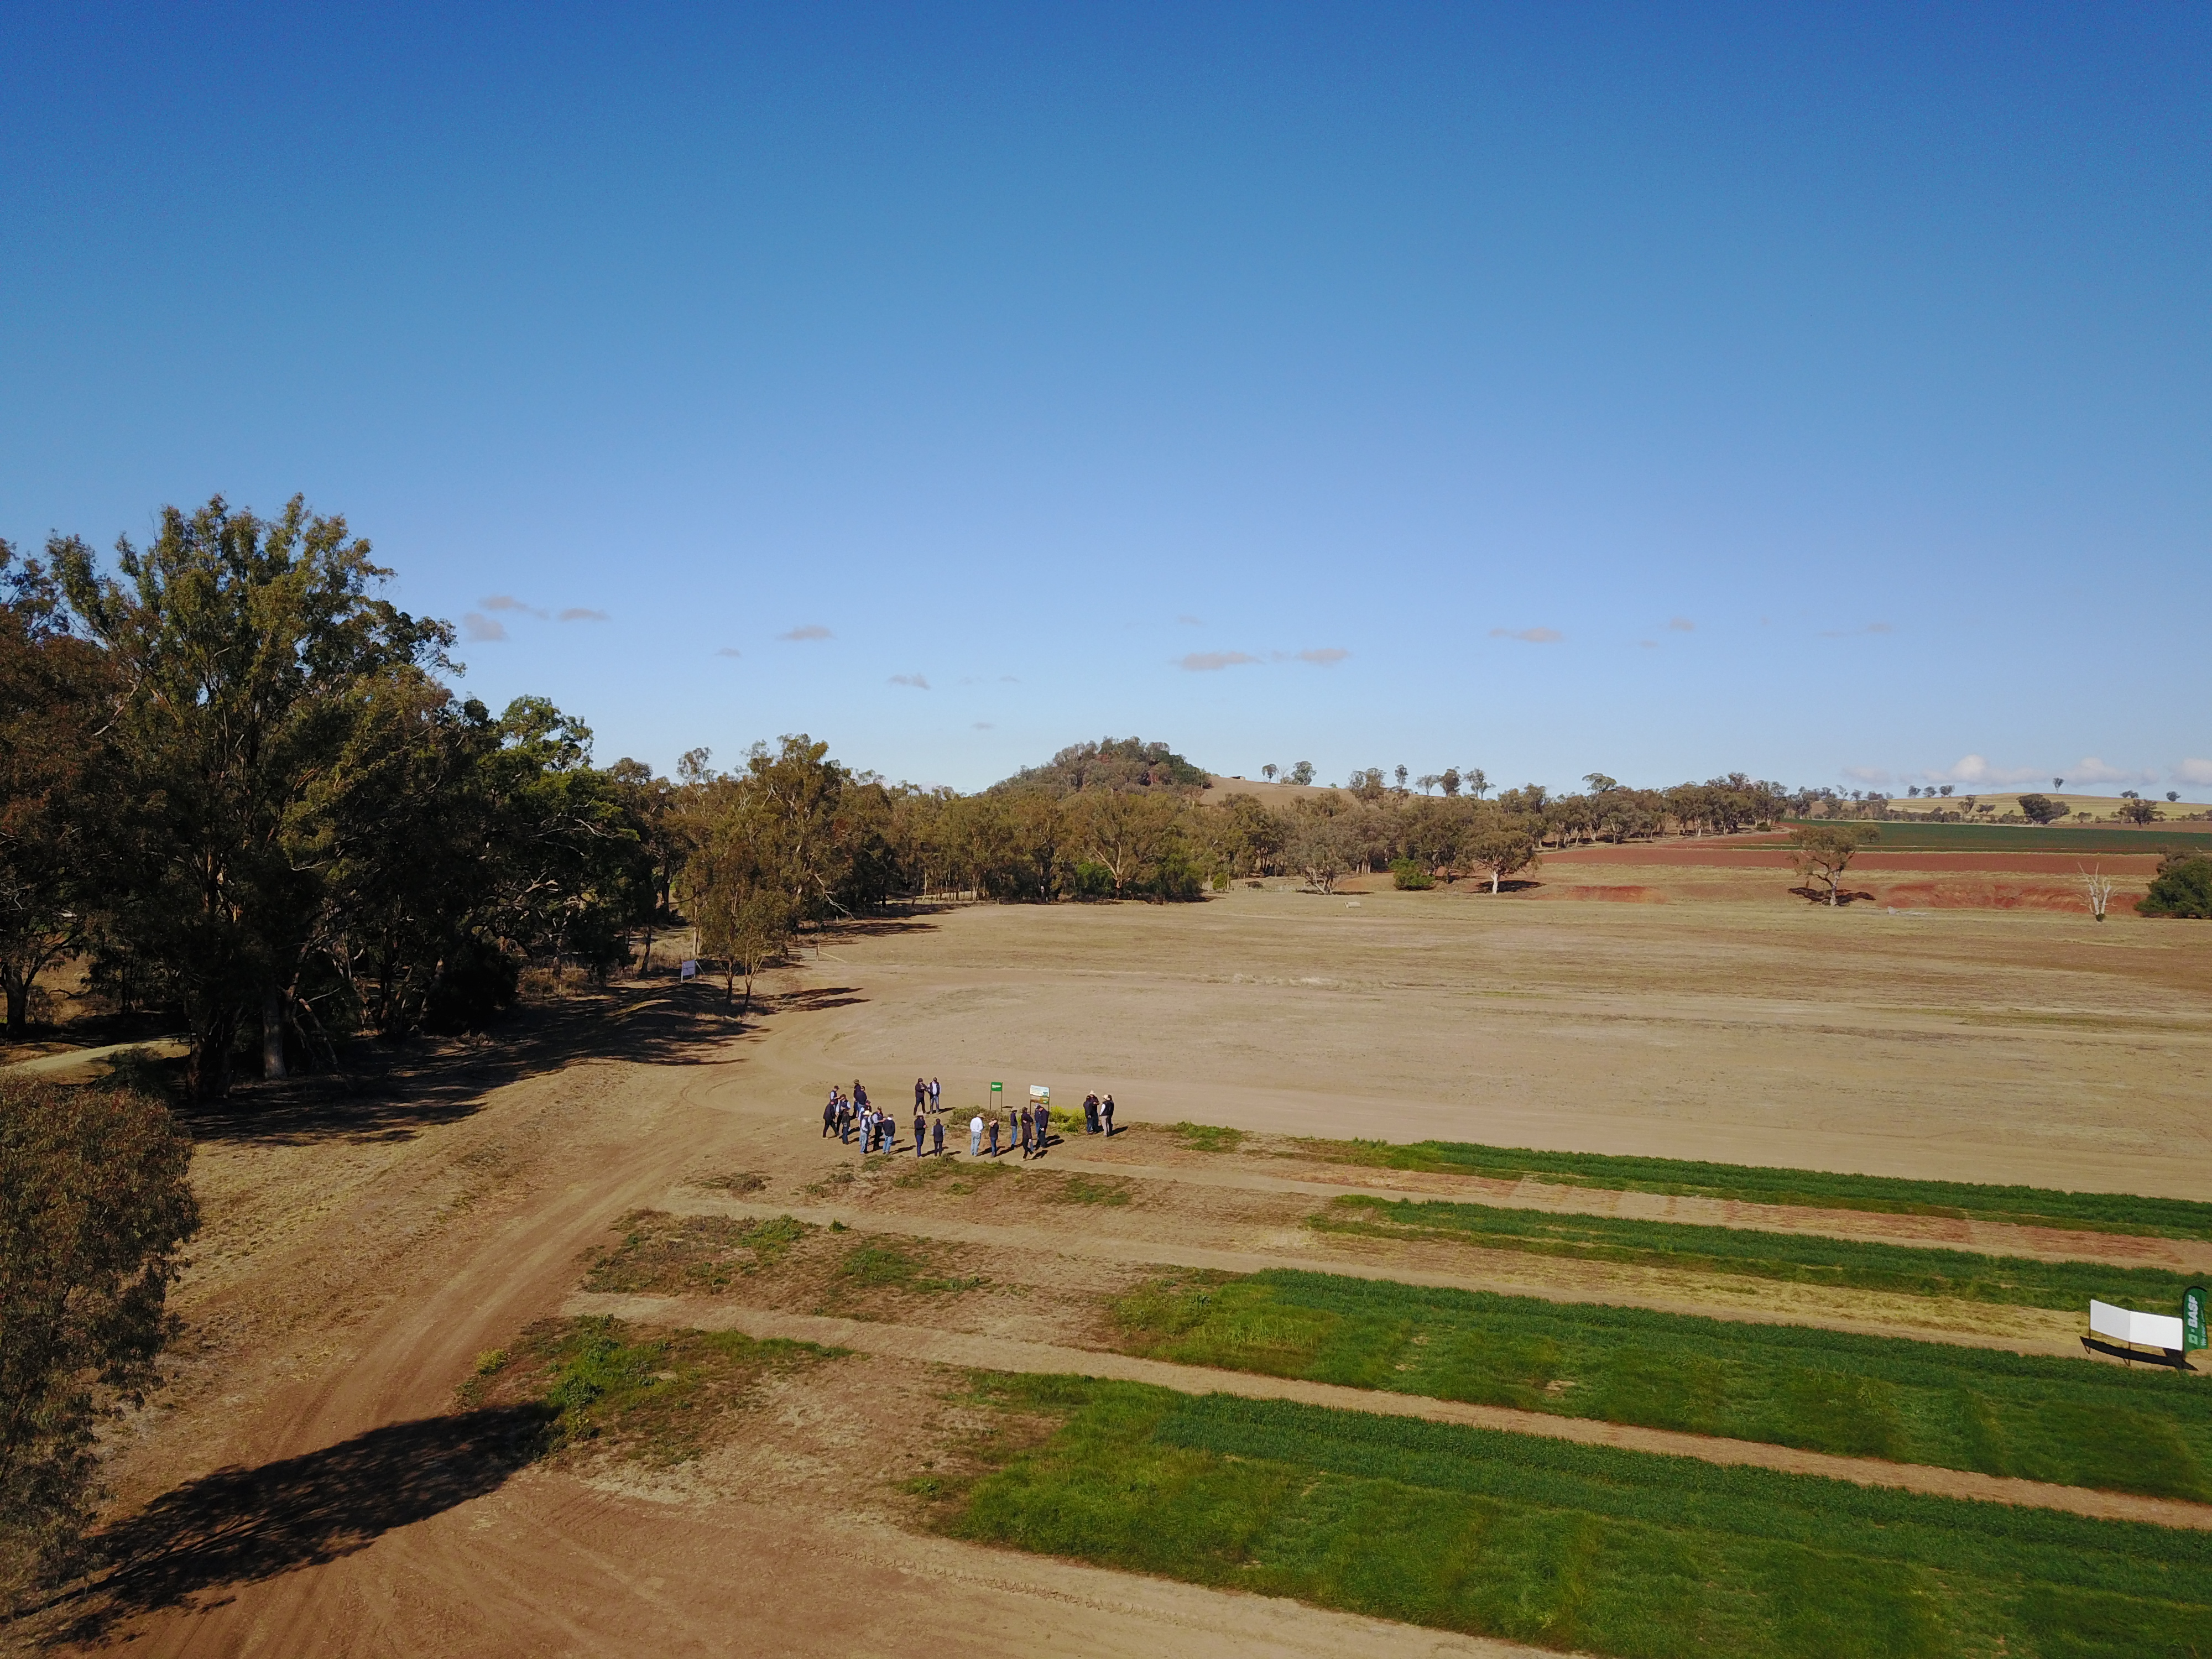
1041, 1091
2125, 1325
689, 971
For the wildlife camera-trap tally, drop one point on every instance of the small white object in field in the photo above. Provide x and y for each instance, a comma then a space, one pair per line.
2126, 1325
1351, 904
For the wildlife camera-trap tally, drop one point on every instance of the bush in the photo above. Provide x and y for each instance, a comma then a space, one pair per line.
1178, 878
1093, 881
1407, 875
476, 987
95, 1206
2182, 888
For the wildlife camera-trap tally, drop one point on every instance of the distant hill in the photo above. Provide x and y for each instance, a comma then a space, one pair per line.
1119, 764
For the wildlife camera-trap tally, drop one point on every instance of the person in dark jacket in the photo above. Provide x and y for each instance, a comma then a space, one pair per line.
1106, 1111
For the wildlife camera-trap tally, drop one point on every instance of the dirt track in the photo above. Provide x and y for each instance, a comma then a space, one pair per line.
359, 1255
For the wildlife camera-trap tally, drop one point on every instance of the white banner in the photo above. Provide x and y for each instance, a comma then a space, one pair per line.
2125, 1325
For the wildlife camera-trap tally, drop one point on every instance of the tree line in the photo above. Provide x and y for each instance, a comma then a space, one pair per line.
239, 787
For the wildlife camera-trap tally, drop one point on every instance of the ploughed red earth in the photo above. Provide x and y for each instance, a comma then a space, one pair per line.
1733, 854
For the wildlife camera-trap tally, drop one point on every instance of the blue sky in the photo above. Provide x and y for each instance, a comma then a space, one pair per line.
1819, 391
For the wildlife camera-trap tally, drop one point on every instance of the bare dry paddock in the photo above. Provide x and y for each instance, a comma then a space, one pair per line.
1966, 1045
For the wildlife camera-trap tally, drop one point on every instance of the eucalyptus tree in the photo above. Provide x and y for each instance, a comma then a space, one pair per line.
53, 695
241, 649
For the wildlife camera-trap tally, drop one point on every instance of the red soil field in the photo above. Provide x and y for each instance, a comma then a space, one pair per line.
1734, 855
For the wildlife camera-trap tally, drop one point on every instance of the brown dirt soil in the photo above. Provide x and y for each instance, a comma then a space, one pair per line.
1612, 895
1963, 895
362, 1248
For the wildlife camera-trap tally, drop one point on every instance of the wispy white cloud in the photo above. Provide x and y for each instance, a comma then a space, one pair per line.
1324, 656
508, 602
1188, 621
1977, 769
1208, 662
2090, 770
914, 680
1853, 633
1649, 645
1532, 636
2198, 772
1873, 777
478, 628
1681, 625
578, 613
807, 631
729, 651
985, 726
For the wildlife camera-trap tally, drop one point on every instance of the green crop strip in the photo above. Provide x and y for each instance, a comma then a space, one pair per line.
2114, 1212
1587, 1547
1843, 1263
2070, 1421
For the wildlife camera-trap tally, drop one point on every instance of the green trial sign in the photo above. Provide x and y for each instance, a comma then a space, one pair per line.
2192, 1317
998, 1088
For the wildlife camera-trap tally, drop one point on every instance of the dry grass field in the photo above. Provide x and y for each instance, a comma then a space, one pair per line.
344, 1464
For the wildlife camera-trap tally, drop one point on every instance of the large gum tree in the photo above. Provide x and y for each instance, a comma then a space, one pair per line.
240, 648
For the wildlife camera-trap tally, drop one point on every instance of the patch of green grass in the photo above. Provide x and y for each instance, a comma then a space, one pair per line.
2072, 1421
655, 1398
2114, 1212
1086, 1189
868, 1266
1565, 1546
1206, 1137
1800, 1259
668, 1254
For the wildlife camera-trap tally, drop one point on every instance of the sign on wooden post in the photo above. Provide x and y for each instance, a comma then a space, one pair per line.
2192, 1317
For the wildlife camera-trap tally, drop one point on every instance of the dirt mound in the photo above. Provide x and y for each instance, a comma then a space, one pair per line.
1956, 895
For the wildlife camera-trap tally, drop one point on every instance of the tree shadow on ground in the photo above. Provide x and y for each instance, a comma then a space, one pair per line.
392, 1092
238, 1526
389, 1092
1843, 895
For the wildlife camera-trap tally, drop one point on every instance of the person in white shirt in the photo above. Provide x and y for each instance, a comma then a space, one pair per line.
975, 1135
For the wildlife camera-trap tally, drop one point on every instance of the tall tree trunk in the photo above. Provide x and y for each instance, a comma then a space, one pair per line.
18, 1005
207, 1072
272, 1032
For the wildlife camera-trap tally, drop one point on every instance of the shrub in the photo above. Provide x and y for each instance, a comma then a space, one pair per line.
2182, 888
95, 1206
1408, 875
1178, 879
1093, 881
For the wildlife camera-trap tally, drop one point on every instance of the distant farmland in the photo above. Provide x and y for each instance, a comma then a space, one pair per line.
2032, 838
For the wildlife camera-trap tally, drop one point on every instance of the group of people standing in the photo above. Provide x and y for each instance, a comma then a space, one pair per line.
844, 1115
